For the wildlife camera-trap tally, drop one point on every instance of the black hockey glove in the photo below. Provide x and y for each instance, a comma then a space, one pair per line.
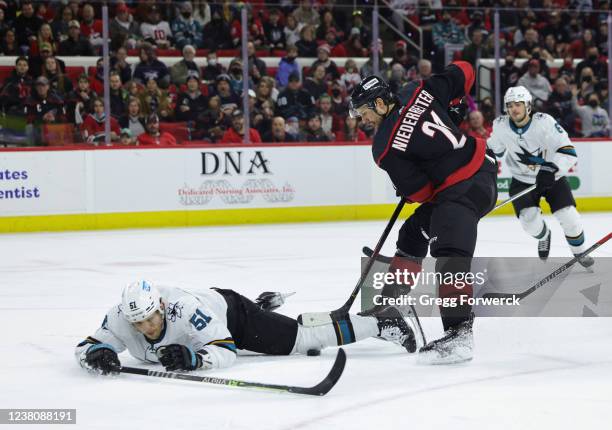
269, 301
102, 357
546, 177
456, 111
179, 357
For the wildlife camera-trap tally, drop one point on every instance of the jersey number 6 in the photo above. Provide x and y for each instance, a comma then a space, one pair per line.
199, 320
429, 128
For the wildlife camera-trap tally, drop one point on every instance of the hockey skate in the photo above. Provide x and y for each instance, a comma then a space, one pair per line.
456, 346
544, 246
586, 261
393, 328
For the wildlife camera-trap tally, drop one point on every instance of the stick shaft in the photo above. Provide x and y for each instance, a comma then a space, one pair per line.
553, 274
514, 197
366, 270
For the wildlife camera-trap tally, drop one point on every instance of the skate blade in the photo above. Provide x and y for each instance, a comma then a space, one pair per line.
431, 358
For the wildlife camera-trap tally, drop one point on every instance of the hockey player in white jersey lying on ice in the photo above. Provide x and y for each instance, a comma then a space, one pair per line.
186, 330
538, 151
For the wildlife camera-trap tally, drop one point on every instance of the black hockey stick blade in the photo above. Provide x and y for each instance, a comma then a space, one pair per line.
368, 252
320, 389
549, 277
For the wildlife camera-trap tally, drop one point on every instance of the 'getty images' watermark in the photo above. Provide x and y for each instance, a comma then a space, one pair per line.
406, 277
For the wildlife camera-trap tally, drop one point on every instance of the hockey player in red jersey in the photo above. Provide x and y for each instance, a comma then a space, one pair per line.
430, 161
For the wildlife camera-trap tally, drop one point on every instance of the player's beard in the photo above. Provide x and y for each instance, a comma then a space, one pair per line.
520, 121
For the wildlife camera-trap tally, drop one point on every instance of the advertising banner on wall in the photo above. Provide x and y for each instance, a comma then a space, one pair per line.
33, 183
195, 179
224, 178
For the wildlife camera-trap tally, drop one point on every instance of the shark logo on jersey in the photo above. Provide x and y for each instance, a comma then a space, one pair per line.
529, 159
174, 311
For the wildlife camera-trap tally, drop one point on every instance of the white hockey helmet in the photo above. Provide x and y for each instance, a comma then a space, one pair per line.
518, 94
139, 301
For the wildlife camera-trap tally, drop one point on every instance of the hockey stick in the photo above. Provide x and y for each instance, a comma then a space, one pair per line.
320, 389
557, 272
321, 318
368, 252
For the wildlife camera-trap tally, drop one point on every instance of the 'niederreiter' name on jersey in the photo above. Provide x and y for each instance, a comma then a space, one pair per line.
411, 117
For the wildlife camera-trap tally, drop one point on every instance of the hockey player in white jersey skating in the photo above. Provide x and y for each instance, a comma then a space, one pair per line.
185, 330
538, 151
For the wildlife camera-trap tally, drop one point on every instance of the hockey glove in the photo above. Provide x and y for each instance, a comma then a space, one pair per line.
546, 177
456, 111
102, 358
181, 357
269, 301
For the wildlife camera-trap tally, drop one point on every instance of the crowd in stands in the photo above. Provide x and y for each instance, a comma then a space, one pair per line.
155, 103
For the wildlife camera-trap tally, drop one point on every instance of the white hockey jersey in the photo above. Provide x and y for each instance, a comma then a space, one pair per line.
197, 320
156, 32
526, 148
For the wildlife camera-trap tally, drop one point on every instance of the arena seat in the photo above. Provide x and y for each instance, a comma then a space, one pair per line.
5, 72
58, 134
74, 72
177, 129
228, 53
169, 53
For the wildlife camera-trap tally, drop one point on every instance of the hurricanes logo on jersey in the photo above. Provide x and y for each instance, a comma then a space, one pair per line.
530, 159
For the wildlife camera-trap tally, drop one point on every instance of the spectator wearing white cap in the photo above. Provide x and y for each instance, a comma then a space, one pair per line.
185, 68
76, 44
331, 69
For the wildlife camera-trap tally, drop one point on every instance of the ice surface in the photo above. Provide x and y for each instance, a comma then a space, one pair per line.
55, 288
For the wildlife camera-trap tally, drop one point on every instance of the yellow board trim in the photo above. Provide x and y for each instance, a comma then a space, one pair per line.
234, 216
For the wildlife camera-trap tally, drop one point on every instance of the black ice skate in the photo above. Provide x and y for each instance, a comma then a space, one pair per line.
586, 261
544, 246
456, 346
393, 328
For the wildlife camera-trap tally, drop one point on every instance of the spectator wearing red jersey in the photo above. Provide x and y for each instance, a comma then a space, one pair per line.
235, 134
153, 136
331, 69
93, 129
91, 27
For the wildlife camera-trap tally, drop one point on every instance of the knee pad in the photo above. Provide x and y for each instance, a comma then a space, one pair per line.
569, 218
412, 239
533, 222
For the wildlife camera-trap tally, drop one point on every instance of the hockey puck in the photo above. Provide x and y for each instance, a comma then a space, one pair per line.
313, 352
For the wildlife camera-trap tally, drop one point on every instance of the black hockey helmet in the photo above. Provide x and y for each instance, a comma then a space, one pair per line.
366, 93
